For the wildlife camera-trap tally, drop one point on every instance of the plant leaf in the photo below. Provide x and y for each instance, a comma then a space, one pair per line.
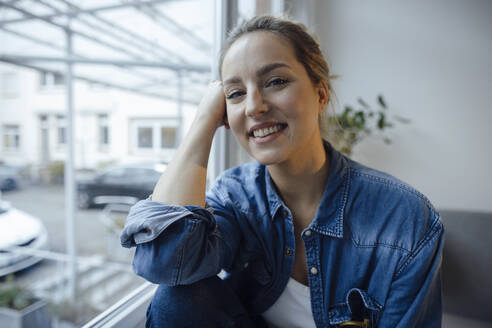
381, 101
363, 103
402, 119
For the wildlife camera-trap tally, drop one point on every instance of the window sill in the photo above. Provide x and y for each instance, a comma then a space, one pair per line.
128, 312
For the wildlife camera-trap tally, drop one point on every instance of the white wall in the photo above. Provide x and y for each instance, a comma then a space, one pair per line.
433, 63
15, 109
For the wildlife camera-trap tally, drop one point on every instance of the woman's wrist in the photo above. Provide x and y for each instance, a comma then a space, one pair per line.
202, 121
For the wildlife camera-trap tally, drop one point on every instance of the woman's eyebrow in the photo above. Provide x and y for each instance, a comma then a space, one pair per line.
270, 67
232, 80
262, 71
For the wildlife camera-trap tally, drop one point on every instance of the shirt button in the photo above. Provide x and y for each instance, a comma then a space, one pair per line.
288, 251
285, 212
307, 233
246, 265
314, 270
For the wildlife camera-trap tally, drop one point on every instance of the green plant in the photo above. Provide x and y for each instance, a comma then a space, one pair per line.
352, 126
13, 296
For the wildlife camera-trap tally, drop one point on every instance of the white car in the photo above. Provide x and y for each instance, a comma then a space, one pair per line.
19, 229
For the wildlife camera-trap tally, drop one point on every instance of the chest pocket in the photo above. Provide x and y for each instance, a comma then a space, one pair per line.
359, 310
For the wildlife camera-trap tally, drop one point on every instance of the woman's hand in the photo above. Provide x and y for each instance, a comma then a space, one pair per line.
212, 106
184, 180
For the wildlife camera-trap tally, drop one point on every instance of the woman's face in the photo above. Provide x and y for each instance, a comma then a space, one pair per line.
272, 105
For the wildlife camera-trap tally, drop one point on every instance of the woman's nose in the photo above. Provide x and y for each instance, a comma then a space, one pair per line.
255, 104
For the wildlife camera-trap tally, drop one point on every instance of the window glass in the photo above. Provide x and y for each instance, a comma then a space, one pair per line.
49, 79
138, 74
115, 173
168, 136
11, 137
145, 137
103, 130
61, 130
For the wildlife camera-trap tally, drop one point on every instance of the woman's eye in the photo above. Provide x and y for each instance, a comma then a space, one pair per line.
234, 94
276, 82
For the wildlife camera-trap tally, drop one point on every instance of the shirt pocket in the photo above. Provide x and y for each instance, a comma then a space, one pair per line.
359, 310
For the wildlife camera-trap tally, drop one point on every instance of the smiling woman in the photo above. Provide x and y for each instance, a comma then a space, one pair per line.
272, 104
306, 236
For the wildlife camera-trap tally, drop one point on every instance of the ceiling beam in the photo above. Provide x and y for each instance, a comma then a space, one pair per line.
101, 82
76, 12
95, 61
150, 80
131, 38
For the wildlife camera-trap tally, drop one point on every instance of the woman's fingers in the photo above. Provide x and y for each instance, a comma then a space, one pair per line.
212, 106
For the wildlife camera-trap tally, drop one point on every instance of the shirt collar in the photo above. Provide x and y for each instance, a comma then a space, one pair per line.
329, 216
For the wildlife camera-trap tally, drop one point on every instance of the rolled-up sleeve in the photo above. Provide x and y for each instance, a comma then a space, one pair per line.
178, 245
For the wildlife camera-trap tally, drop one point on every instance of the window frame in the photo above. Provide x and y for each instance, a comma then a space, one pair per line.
156, 124
14, 137
103, 132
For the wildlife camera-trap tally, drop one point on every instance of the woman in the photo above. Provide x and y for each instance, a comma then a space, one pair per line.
306, 236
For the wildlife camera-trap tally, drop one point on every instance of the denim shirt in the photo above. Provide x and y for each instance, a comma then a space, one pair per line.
373, 249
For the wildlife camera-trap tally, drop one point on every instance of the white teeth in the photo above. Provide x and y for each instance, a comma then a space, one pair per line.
266, 131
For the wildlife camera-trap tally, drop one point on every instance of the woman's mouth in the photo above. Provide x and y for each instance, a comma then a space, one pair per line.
267, 133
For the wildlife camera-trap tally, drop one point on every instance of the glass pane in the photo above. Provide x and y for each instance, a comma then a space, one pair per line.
168, 137
145, 137
104, 135
61, 136
124, 116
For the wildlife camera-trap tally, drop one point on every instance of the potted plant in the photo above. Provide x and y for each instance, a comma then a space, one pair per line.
351, 126
20, 308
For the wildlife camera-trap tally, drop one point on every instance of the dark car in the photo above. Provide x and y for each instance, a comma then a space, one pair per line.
122, 184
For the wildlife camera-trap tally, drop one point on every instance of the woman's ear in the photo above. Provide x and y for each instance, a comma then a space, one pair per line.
323, 96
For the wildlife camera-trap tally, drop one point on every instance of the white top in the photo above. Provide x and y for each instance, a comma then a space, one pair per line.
292, 309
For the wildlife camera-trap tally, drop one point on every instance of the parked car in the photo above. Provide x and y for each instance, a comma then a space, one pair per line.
120, 184
19, 229
9, 177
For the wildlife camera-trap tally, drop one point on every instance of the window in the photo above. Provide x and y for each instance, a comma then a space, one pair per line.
168, 137
154, 135
123, 115
61, 130
10, 84
103, 131
11, 137
145, 136
49, 79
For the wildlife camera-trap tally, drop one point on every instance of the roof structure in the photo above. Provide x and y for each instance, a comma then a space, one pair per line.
151, 47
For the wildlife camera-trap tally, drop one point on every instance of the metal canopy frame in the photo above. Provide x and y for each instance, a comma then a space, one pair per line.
139, 50
139, 53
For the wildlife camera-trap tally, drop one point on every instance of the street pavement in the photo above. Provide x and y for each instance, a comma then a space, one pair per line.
47, 202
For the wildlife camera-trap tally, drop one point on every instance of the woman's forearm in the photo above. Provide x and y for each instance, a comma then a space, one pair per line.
184, 181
